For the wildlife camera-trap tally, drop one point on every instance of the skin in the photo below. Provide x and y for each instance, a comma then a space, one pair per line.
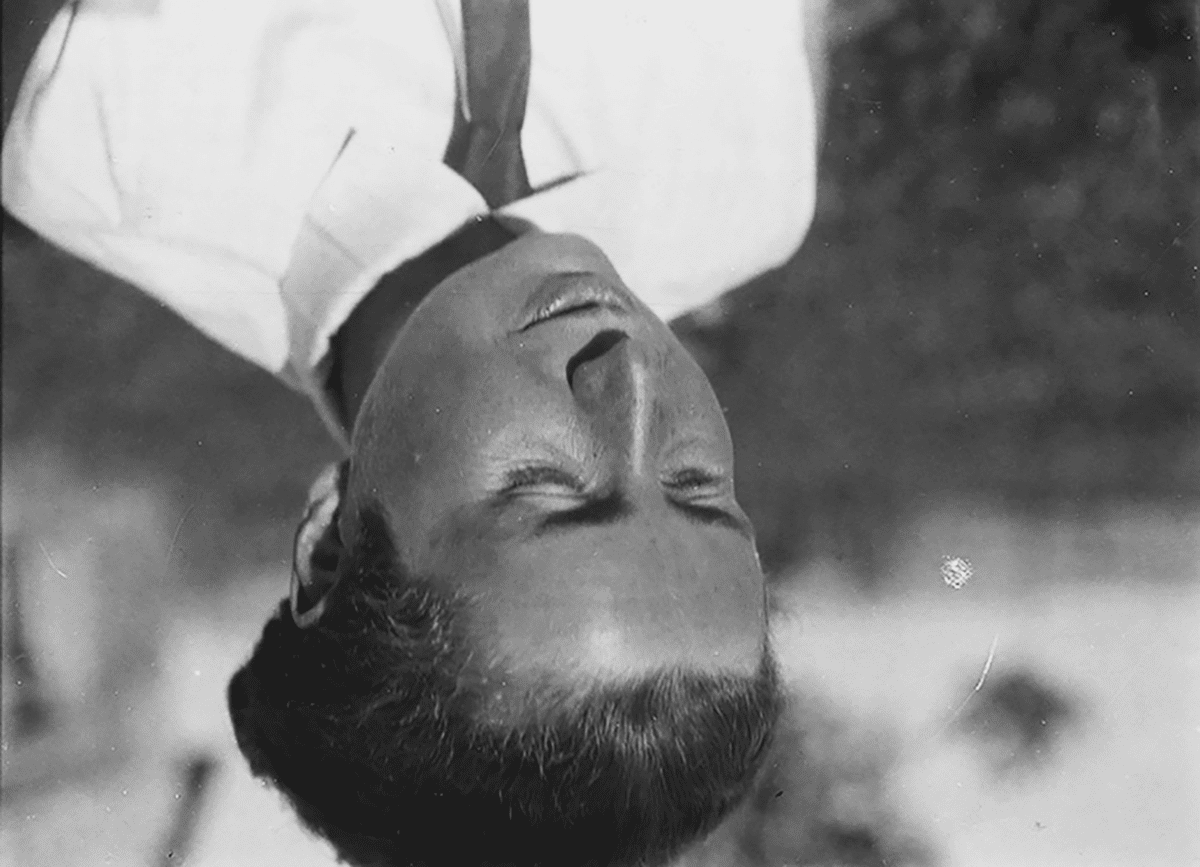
590, 517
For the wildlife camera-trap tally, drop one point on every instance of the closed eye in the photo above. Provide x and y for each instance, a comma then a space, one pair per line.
540, 478
706, 495
701, 496
696, 481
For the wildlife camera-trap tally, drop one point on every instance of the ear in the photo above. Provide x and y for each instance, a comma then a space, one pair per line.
318, 548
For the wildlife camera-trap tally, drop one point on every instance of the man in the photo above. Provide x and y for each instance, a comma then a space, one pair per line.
528, 602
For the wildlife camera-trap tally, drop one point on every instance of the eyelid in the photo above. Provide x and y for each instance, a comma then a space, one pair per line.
691, 478
535, 475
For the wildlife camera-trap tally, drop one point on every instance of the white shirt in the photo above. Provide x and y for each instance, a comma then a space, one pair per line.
258, 165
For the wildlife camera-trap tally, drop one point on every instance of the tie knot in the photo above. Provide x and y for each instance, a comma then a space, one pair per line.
487, 149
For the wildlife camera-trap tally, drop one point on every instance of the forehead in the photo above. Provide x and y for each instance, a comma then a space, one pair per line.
619, 600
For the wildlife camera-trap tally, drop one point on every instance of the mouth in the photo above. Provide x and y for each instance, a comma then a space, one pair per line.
572, 293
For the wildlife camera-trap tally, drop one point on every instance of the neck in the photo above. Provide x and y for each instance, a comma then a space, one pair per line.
363, 342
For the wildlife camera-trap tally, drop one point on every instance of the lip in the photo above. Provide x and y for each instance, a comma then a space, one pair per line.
569, 293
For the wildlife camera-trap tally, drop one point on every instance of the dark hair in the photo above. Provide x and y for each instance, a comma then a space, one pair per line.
370, 725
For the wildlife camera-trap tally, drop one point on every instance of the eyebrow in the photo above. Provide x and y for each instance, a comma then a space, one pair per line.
612, 508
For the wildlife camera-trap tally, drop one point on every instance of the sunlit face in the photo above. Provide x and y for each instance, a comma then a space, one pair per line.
542, 442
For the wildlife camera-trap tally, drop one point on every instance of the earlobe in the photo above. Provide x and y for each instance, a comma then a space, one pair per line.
318, 548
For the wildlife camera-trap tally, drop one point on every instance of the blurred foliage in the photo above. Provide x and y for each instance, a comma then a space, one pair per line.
999, 295
106, 390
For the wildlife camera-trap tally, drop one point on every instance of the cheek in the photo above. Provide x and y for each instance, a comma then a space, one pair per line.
431, 398
694, 398
692, 418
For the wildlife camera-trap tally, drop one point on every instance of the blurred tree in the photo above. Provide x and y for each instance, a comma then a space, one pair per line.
999, 295
104, 386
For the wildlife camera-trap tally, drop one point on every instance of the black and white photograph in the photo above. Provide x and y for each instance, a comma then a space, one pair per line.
600, 433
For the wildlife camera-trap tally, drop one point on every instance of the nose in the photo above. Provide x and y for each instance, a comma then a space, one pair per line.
613, 384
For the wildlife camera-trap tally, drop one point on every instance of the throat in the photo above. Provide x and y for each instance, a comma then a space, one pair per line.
360, 346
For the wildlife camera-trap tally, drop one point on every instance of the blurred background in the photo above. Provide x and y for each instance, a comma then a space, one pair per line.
967, 418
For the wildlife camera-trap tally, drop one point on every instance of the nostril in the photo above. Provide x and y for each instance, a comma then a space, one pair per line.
596, 347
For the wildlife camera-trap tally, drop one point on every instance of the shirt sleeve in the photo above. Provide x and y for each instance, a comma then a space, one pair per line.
68, 160
256, 165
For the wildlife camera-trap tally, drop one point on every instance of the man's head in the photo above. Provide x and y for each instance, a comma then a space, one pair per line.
537, 611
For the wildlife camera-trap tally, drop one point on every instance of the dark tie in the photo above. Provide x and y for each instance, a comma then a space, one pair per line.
486, 150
